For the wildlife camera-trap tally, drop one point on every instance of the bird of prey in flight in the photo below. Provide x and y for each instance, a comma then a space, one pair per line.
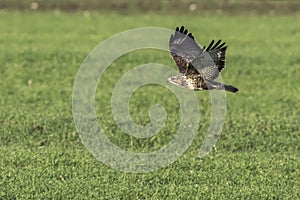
198, 67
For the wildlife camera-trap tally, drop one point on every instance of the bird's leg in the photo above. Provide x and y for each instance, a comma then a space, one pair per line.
187, 68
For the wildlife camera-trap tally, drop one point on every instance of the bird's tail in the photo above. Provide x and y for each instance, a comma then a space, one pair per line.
230, 88
221, 86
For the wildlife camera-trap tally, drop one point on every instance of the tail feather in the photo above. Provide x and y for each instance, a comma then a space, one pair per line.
231, 88
221, 86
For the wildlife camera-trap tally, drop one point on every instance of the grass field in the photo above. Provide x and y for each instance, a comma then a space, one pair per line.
42, 156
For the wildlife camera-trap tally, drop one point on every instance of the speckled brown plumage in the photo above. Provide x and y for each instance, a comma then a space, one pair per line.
198, 67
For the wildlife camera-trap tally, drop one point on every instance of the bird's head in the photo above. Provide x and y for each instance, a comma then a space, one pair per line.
176, 80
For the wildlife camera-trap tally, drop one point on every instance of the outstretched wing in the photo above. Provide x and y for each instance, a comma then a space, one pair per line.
184, 49
211, 61
217, 53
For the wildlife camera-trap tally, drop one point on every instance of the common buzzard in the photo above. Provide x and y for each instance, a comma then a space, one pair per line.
198, 67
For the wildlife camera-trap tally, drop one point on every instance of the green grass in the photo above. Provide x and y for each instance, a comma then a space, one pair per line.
42, 156
166, 6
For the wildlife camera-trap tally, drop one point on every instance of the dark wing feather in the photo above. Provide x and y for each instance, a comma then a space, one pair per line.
217, 52
211, 61
184, 49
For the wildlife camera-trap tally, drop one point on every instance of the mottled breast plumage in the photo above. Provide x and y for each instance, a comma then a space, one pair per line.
198, 67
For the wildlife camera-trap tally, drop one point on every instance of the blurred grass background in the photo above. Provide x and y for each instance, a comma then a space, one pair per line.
164, 6
42, 46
